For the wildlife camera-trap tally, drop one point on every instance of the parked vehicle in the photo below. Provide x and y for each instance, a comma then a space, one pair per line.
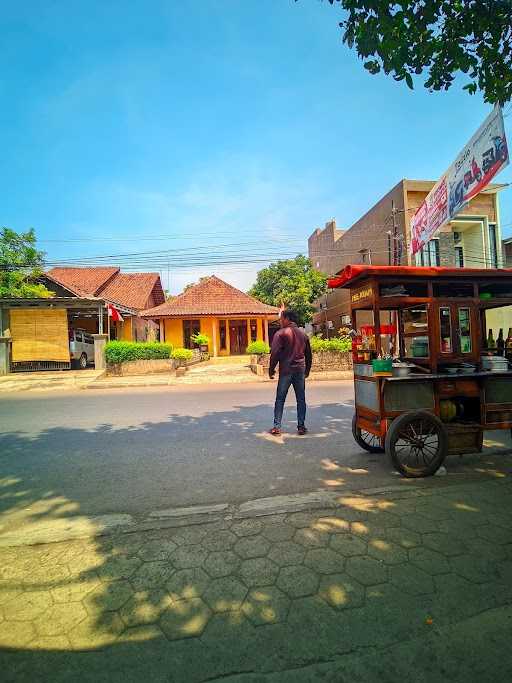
81, 348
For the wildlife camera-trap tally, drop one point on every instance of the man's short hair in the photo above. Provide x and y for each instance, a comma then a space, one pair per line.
290, 315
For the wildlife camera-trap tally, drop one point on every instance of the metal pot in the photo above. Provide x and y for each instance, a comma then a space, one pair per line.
401, 369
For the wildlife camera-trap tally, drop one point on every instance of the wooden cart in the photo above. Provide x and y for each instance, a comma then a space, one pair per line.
434, 319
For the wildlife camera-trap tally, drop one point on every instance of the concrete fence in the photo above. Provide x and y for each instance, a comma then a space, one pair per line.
323, 361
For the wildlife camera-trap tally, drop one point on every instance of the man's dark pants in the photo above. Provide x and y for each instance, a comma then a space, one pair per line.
299, 385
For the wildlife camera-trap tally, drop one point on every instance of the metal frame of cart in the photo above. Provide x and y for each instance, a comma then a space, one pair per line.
436, 319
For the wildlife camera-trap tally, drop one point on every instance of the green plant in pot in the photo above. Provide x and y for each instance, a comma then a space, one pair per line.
202, 341
258, 348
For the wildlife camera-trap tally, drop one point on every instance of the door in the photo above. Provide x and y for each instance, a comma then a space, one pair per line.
457, 332
237, 337
39, 335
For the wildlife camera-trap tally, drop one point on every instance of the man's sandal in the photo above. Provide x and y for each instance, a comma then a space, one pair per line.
275, 431
302, 431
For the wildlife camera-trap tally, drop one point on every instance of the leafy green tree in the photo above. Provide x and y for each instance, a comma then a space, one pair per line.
20, 265
293, 283
439, 37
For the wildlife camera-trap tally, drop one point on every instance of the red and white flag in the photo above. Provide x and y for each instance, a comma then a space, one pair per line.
114, 314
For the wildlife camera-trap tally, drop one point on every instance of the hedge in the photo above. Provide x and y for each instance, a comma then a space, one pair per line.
121, 351
182, 354
338, 344
258, 348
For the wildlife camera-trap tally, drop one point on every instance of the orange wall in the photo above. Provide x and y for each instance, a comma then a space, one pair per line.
174, 332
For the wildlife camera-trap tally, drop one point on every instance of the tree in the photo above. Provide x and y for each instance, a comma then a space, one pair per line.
293, 283
21, 264
439, 37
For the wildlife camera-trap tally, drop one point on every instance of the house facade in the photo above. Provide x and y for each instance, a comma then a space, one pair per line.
230, 318
382, 236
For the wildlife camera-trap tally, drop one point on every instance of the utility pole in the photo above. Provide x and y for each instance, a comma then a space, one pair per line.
395, 234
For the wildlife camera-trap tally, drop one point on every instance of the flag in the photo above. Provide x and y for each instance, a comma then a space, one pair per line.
114, 314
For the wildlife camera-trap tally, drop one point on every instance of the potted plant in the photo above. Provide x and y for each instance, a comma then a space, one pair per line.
201, 340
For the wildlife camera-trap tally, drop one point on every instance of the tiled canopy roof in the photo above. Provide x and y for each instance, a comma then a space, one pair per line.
210, 296
132, 290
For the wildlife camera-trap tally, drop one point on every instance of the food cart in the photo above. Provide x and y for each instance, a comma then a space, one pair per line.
426, 385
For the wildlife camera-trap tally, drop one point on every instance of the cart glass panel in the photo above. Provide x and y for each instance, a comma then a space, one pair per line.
445, 329
415, 332
465, 330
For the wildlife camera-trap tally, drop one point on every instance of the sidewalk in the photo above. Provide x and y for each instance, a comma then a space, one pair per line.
48, 381
412, 583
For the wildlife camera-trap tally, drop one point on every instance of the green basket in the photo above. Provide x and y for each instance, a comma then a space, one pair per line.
382, 365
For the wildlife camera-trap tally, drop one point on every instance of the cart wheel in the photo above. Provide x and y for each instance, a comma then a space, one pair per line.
417, 444
83, 361
368, 441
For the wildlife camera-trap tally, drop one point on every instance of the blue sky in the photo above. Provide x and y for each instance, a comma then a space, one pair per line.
209, 122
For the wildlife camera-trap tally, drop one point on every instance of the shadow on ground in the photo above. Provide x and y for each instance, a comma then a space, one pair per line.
371, 589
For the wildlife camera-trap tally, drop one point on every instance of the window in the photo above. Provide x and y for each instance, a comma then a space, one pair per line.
459, 257
465, 330
254, 330
222, 334
415, 326
493, 247
429, 253
445, 329
190, 327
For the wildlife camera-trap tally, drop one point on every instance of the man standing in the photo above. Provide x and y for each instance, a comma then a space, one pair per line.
292, 350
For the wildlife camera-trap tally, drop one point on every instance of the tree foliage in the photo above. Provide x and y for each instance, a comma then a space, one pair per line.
438, 37
293, 283
21, 264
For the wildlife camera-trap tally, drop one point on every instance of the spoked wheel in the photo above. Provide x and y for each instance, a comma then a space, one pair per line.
368, 441
83, 361
417, 444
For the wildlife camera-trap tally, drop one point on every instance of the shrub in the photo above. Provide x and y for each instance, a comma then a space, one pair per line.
200, 339
182, 354
258, 347
121, 351
337, 344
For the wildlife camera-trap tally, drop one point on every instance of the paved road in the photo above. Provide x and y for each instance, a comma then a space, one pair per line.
137, 450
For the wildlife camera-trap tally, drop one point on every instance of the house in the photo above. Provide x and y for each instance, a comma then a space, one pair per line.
382, 236
129, 293
230, 318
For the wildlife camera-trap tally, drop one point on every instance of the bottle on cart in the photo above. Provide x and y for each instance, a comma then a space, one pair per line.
491, 344
508, 345
500, 343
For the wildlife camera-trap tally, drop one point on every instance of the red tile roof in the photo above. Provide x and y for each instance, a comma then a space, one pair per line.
210, 296
133, 290
83, 280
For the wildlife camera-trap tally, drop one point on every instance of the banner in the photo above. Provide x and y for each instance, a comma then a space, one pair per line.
480, 160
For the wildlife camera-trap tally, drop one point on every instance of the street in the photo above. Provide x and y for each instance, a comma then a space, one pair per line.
138, 450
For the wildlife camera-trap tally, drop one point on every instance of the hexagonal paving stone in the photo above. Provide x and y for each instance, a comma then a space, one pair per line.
247, 527
494, 534
490, 551
156, 550
258, 572
331, 525
266, 606
54, 643
9, 593
220, 564
311, 538
419, 523
74, 591
188, 556
348, 545
47, 574
301, 519
429, 561
404, 537
116, 568
386, 551
93, 632
287, 553
187, 584
474, 569
225, 595
108, 597
278, 532
446, 544
366, 570
185, 619
341, 591
219, 540
190, 535
27, 606
298, 581
145, 607
59, 619
411, 579
152, 575
505, 570
253, 546
17, 635
324, 561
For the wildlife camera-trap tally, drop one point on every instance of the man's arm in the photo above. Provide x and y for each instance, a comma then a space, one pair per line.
275, 353
308, 356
